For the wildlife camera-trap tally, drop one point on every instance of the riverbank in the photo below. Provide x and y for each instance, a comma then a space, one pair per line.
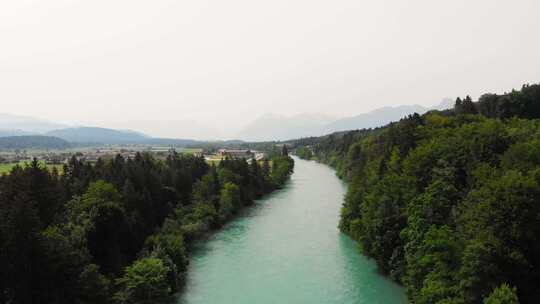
117, 230
287, 248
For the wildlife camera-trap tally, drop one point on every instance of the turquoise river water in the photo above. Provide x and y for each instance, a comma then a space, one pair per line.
287, 249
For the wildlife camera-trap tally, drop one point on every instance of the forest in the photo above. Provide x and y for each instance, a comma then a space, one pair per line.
118, 231
447, 203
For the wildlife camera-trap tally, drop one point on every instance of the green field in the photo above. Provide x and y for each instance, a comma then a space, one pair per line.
214, 161
6, 168
189, 150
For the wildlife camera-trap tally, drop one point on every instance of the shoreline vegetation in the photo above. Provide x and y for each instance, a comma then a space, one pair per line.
447, 202
118, 231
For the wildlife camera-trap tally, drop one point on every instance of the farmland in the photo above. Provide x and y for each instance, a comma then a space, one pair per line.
6, 168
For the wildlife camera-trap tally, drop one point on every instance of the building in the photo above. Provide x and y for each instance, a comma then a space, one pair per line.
236, 154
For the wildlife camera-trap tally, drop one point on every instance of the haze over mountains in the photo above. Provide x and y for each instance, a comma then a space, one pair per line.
270, 127
277, 127
101, 135
265, 128
15, 125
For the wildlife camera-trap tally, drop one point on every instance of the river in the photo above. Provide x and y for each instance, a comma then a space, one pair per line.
287, 249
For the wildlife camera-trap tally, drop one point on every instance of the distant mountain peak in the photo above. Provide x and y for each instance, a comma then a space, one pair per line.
375, 118
271, 126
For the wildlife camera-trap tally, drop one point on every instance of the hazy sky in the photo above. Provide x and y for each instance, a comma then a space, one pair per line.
222, 63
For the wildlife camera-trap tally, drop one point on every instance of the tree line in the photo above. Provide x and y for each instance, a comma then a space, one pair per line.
447, 203
117, 231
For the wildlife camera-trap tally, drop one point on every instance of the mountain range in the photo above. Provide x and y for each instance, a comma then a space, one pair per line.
268, 127
277, 127
33, 142
97, 135
24, 131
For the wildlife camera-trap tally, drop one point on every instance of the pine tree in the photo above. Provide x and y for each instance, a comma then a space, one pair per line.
284, 151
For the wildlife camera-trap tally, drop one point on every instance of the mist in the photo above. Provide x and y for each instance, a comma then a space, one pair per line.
196, 68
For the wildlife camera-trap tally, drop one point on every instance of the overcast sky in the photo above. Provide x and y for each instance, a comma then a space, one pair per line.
223, 63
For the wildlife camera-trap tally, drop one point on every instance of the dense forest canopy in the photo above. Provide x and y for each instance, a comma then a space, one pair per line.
447, 203
117, 231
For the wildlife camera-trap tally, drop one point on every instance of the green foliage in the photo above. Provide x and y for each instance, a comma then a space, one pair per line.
206, 189
447, 202
304, 152
102, 217
230, 200
144, 282
67, 238
282, 168
284, 151
502, 295
226, 175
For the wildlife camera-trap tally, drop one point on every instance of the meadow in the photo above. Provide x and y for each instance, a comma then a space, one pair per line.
6, 167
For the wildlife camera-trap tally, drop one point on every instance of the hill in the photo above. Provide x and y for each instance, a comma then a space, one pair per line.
98, 135
270, 127
383, 116
33, 142
373, 119
95, 135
